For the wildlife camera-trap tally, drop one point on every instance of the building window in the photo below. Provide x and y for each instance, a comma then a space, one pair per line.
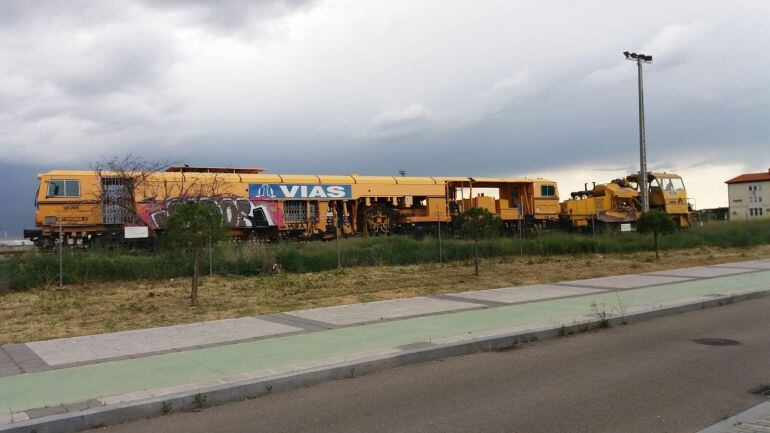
63, 188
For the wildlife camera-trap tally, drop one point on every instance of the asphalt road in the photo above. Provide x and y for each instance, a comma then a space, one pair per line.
643, 377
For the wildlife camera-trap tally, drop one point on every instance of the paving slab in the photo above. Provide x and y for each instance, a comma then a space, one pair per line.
381, 310
7, 366
702, 272
751, 264
511, 295
20, 355
88, 348
625, 281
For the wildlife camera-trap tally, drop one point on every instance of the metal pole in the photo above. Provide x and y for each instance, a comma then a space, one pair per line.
339, 257
700, 223
521, 237
440, 255
61, 254
642, 144
700, 218
211, 260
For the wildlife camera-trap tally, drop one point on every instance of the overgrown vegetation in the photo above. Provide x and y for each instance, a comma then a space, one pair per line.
36, 269
97, 307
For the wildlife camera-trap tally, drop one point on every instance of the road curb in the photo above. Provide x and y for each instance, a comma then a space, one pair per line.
236, 391
727, 425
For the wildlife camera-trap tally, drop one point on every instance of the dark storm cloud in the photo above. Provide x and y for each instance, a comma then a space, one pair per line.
435, 88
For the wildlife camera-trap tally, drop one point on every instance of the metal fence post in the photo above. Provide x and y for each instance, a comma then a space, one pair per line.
211, 260
61, 254
521, 236
339, 233
440, 254
700, 223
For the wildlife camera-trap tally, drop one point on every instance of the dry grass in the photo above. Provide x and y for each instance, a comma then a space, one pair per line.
105, 307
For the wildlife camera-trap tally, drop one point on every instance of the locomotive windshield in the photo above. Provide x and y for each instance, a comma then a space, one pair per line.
671, 184
63, 188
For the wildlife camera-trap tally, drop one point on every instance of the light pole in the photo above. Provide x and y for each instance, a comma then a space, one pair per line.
640, 59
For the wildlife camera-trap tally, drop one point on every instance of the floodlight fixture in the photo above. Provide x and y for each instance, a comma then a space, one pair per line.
635, 57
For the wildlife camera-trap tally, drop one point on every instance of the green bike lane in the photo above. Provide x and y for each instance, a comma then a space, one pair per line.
69, 385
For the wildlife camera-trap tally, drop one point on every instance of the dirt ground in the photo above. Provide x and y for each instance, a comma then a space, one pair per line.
106, 307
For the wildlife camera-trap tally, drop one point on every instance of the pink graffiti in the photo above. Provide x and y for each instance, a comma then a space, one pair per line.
237, 212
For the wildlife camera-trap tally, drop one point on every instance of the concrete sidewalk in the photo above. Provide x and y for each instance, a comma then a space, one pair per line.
74, 383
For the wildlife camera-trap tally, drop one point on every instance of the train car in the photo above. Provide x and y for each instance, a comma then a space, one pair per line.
83, 206
619, 201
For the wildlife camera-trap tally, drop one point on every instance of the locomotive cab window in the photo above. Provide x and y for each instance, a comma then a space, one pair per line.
547, 190
63, 188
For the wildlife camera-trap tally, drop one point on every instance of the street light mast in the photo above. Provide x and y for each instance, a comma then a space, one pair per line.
640, 59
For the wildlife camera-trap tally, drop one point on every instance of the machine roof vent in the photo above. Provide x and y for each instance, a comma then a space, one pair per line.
234, 170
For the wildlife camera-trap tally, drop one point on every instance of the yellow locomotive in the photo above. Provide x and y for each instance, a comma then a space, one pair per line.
618, 202
82, 206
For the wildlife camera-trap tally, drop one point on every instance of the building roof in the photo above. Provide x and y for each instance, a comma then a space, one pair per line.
751, 177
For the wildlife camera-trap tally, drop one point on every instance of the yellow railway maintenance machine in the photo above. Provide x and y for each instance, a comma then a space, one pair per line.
618, 202
668, 194
86, 205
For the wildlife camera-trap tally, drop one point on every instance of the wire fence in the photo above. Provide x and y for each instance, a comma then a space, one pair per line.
35, 269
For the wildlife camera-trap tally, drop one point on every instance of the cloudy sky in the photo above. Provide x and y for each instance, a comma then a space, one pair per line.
486, 88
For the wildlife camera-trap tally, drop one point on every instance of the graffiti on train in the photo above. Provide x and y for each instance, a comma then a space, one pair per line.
237, 212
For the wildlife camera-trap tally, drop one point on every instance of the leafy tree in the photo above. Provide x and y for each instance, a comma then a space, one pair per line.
478, 223
657, 223
191, 227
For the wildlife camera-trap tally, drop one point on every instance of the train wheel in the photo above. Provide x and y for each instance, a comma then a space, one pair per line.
379, 220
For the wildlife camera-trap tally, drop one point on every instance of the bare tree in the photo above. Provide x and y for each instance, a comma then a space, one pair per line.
120, 179
126, 183
130, 190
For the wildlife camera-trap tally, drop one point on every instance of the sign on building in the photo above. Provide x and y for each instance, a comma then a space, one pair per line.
135, 232
298, 191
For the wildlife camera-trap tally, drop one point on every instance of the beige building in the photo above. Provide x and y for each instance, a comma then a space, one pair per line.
749, 196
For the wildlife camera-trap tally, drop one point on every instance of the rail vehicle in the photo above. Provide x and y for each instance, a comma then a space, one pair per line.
81, 207
618, 202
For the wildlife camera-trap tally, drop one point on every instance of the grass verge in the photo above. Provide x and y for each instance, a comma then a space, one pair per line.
95, 307
30, 270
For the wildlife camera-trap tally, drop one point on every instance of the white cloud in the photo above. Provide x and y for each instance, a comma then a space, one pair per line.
669, 45
506, 80
413, 119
